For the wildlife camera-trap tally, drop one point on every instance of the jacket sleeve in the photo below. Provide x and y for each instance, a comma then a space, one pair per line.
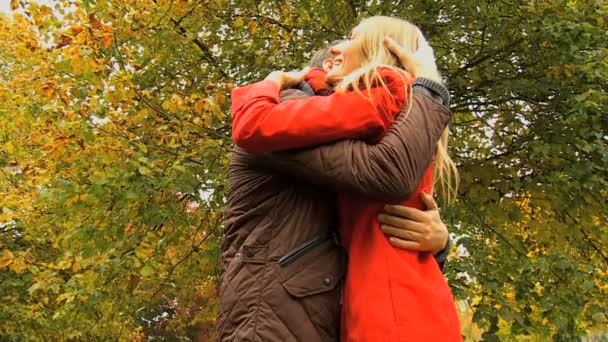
388, 171
442, 256
261, 123
316, 79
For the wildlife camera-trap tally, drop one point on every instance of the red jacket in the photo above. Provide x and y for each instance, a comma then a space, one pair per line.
390, 294
260, 123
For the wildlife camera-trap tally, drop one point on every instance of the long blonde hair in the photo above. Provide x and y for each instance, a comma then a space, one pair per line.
370, 34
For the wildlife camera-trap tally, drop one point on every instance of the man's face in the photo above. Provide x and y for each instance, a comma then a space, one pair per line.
347, 58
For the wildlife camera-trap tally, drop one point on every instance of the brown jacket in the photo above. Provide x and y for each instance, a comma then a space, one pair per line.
282, 265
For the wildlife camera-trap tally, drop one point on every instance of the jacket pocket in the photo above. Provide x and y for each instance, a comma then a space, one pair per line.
304, 248
317, 271
312, 289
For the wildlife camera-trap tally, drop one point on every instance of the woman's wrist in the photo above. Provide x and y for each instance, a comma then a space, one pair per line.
276, 77
443, 240
287, 80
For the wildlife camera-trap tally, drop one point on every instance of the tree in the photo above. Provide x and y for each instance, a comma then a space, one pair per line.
115, 141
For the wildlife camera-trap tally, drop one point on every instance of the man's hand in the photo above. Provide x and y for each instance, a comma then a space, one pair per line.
414, 229
421, 63
289, 79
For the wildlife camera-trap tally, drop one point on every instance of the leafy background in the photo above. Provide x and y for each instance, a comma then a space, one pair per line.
115, 141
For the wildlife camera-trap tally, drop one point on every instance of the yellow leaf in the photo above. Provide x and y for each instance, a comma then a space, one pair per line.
175, 103
168, 105
9, 147
61, 297
239, 22
179, 102
18, 265
76, 266
539, 289
144, 252
6, 258
62, 265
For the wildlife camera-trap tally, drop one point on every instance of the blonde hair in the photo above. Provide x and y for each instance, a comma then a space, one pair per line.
370, 34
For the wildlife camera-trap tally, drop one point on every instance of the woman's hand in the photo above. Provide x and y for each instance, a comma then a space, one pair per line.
289, 79
419, 64
414, 229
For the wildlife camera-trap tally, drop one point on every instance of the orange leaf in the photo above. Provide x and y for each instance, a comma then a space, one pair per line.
107, 40
200, 106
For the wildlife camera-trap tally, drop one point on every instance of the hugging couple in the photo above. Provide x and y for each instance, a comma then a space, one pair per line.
332, 231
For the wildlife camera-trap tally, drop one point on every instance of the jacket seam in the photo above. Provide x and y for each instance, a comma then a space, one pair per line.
255, 315
444, 107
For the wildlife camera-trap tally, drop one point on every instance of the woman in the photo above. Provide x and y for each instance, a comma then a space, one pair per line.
369, 92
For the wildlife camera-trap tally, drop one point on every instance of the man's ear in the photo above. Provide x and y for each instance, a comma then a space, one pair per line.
328, 63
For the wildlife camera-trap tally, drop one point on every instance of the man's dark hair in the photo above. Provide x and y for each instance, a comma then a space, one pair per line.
322, 54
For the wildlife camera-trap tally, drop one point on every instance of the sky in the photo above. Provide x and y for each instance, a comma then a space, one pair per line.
5, 6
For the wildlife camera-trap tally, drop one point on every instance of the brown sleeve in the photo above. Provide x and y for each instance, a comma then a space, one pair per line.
387, 171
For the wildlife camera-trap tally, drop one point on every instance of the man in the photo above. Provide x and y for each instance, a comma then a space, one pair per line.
283, 265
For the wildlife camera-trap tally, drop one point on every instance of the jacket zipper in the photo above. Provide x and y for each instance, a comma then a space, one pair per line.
302, 249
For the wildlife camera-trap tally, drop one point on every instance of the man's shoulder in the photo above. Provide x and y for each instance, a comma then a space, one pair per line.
293, 94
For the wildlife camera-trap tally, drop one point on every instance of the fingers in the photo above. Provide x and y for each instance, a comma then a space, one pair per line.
302, 74
428, 201
401, 233
404, 244
297, 75
277, 77
392, 46
395, 48
401, 223
406, 212
406, 58
305, 71
291, 78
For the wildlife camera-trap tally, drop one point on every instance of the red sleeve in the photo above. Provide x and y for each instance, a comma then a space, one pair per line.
260, 123
316, 79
